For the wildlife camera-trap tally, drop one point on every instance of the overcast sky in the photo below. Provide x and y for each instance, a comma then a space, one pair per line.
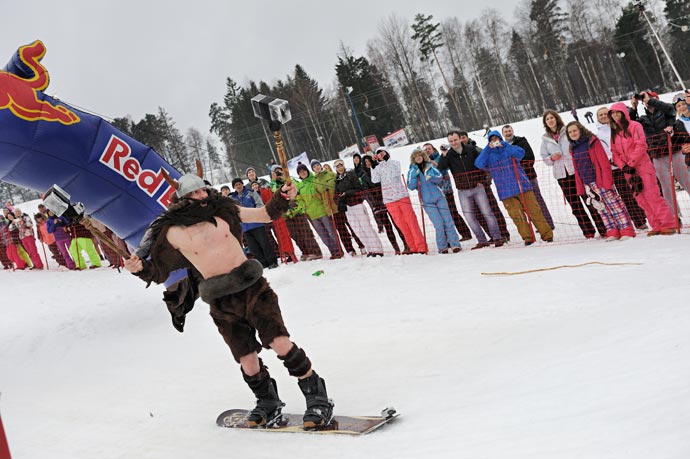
129, 57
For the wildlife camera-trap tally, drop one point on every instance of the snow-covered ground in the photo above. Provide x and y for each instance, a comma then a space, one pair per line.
583, 362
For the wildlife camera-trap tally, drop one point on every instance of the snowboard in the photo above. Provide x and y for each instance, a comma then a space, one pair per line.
340, 425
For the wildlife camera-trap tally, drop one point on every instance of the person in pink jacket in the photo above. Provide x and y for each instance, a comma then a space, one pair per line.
629, 149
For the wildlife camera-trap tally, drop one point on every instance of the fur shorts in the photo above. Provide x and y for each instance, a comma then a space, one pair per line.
240, 315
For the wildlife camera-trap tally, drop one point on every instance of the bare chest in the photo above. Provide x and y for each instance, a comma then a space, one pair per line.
212, 249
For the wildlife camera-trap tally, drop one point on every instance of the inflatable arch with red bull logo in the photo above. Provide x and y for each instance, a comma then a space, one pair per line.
44, 141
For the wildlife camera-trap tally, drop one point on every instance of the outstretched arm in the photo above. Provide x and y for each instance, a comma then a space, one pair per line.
274, 209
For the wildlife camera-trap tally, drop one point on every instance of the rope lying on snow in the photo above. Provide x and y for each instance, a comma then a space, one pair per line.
557, 267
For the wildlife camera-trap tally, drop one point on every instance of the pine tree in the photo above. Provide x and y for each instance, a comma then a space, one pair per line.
429, 37
549, 25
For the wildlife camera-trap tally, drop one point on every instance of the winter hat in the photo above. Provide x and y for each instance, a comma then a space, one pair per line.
680, 97
237, 180
301, 167
491, 134
189, 183
314, 162
276, 166
652, 94
416, 151
338, 162
249, 169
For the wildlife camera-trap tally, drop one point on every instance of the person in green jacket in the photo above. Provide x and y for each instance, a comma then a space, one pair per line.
297, 221
324, 183
319, 215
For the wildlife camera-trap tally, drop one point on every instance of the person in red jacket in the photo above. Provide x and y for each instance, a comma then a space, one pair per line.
594, 178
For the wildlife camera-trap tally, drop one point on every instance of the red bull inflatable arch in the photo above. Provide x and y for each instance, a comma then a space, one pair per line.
44, 141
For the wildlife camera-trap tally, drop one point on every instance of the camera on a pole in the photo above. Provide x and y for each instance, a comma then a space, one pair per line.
58, 200
275, 111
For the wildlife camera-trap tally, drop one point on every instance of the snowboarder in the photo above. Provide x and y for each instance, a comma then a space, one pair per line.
201, 231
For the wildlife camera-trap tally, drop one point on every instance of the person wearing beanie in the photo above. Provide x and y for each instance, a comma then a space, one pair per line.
296, 225
658, 122
254, 233
253, 177
314, 162
261, 188
350, 196
324, 184
319, 209
202, 233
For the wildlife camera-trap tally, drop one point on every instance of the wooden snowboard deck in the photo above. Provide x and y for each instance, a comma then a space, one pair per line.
341, 425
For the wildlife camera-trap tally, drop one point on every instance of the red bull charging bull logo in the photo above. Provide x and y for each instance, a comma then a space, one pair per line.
45, 142
20, 95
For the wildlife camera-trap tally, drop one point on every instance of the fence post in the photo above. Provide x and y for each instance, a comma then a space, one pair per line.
4, 447
673, 180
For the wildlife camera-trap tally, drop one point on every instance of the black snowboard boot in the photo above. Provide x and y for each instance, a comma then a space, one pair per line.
268, 406
319, 411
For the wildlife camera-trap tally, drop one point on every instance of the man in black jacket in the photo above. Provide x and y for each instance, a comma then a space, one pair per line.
350, 194
471, 189
527, 163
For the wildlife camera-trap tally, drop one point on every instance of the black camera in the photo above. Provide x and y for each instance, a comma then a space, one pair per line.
444, 147
57, 200
638, 96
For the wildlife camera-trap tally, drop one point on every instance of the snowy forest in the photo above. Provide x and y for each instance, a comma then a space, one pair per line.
427, 74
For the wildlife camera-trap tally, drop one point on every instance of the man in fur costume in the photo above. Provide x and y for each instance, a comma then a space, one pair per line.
201, 231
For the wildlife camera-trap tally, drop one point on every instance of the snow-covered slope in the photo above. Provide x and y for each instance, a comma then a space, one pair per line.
582, 362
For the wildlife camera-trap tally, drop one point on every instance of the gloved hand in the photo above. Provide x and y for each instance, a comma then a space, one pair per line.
628, 170
636, 184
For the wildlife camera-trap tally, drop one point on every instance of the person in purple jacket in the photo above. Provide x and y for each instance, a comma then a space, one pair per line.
57, 226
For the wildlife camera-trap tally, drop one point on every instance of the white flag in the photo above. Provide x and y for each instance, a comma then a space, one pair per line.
292, 163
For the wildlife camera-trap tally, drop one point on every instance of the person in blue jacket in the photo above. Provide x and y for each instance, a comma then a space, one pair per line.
502, 161
254, 233
425, 178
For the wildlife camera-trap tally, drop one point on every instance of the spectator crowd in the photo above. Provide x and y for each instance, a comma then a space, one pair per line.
618, 179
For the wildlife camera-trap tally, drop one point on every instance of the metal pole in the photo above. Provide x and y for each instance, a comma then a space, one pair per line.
354, 113
269, 142
663, 48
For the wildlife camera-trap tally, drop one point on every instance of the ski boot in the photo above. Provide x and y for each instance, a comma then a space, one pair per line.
267, 412
319, 413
